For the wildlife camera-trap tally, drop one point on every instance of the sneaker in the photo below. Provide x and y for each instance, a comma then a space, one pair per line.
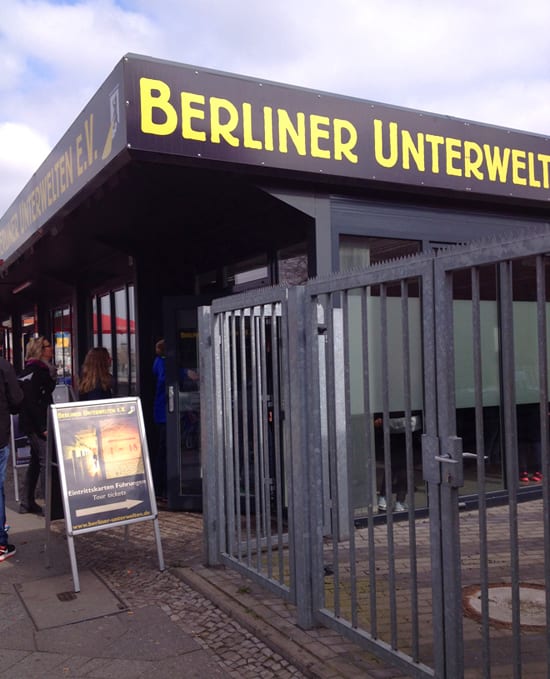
524, 477
6, 551
537, 477
382, 504
401, 506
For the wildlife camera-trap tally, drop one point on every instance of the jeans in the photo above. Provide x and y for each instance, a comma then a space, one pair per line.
4, 456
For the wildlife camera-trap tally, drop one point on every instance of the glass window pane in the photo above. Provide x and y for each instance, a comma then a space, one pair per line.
105, 317
62, 341
121, 339
94, 323
250, 273
292, 265
28, 328
357, 252
7, 339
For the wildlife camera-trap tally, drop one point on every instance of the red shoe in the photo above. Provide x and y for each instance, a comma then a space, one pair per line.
537, 477
6, 551
524, 477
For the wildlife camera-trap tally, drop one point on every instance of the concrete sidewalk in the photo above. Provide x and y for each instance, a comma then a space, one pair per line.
130, 620
49, 631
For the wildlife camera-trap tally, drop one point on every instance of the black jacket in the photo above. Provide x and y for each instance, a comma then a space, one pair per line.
97, 393
38, 386
11, 397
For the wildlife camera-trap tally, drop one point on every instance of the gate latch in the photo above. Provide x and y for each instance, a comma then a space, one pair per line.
443, 466
452, 468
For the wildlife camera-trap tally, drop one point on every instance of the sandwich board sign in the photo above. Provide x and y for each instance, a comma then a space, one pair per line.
104, 468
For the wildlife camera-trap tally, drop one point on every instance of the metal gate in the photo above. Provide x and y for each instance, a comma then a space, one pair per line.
351, 428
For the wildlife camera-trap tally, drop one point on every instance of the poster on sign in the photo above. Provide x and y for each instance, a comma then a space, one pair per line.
100, 449
104, 463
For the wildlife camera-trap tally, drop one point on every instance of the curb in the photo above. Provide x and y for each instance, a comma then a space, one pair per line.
305, 651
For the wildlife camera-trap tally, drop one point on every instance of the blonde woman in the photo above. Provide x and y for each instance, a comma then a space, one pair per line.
37, 384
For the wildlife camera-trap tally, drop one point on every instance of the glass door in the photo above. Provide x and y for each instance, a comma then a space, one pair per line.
183, 459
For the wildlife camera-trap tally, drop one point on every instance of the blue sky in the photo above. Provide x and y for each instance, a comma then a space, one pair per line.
483, 60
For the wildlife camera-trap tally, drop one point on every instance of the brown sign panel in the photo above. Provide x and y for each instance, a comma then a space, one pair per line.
208, 115
169, 108
104, 464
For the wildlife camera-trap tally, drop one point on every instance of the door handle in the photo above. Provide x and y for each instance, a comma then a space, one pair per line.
448, 458
171, 399
445, 458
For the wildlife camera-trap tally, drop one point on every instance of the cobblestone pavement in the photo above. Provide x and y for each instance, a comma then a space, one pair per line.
239, 652
214, 619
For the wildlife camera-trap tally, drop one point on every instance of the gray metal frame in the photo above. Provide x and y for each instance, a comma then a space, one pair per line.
282, 374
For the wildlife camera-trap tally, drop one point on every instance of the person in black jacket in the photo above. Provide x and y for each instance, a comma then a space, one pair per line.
38, 385
11, 397
96, 379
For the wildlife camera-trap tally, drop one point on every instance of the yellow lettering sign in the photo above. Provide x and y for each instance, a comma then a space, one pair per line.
457, 157
219, 120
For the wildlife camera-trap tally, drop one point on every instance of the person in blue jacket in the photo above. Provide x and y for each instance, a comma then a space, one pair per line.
159, 416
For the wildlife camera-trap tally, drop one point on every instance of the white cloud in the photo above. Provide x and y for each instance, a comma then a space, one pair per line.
483, 60
22, 150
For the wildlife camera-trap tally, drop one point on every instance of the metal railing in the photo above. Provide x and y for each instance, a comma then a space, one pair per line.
362, 442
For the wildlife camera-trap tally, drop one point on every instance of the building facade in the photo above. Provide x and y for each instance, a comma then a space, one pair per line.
176, 185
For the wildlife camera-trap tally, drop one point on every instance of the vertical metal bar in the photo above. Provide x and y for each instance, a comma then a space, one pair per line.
221, 522
481, 485
431, 279
14, 458
303, 481
511, 450
387, 461
244, 320
278, 377
228, 452
371, 458
332, 445
348, 451
235, 419
292, 357
314, 439
405, 330
209, 422
74, 566
267, 452
542, 323
160, 554
256, 435
447, 512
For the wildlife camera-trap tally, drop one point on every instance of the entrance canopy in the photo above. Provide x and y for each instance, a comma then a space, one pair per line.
155, 110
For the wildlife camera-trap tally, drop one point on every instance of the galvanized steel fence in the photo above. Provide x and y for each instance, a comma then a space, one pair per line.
363, 441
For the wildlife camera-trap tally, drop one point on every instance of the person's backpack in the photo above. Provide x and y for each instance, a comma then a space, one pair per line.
26, 408
37, 398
